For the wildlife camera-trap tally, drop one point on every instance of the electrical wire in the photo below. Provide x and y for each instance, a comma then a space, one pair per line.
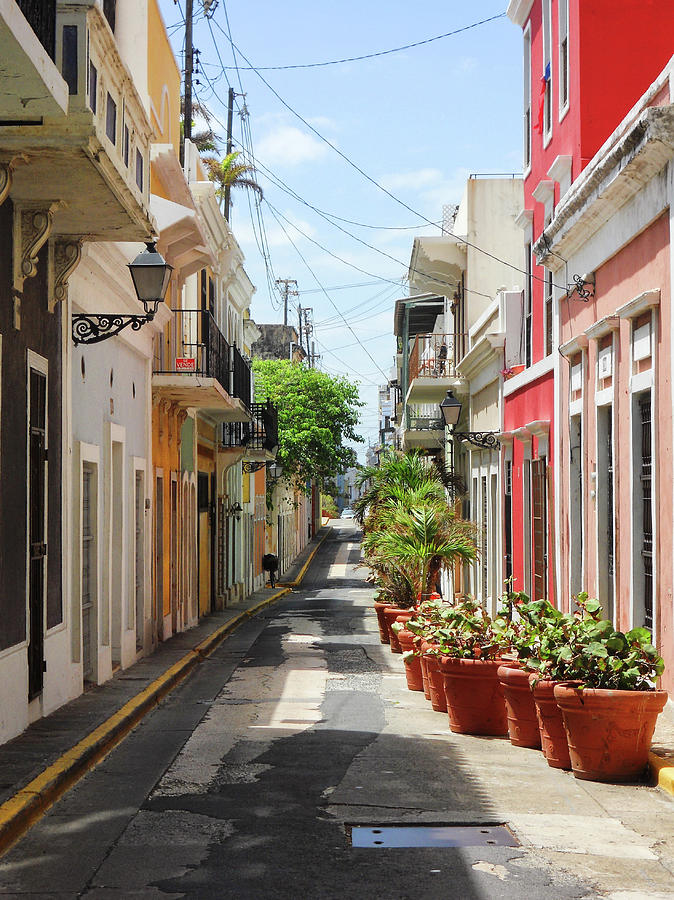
364, 174
317, 280
349, 59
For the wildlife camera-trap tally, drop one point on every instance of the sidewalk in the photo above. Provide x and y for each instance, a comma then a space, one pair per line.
41, 764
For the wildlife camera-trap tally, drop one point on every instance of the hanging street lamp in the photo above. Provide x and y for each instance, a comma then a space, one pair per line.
151, 275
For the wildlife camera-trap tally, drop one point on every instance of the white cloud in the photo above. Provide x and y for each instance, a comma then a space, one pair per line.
287, 145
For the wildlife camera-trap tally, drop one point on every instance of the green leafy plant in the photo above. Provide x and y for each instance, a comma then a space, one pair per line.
582, 646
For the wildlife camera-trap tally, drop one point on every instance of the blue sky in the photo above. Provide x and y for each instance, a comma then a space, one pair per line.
418, 122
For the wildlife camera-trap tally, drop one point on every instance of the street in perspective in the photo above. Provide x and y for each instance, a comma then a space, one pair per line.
336, 449
294, 762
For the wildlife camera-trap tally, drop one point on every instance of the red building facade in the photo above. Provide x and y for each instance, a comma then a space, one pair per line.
585, 65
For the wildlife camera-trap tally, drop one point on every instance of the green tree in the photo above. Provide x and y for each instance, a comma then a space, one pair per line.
227, 172
317, 415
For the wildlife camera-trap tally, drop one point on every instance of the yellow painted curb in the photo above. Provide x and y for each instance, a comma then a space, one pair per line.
303, 570
19, 812
663, 769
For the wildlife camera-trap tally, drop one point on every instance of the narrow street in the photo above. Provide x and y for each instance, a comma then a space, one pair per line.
245, 781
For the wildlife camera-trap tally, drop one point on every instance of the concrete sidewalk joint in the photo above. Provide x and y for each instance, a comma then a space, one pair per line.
31, 802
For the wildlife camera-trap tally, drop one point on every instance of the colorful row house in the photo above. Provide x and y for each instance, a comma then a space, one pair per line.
587, 422
557, 348
133, 475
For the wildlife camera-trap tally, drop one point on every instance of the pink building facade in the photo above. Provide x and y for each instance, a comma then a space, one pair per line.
577, 90
614, 390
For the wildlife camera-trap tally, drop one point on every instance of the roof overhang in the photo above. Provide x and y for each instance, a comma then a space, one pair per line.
422, 310
181, 236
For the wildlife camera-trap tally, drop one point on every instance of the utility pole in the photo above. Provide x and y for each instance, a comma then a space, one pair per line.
284, 284
189, 67
230, 116
314, 355
299, 316
308, 326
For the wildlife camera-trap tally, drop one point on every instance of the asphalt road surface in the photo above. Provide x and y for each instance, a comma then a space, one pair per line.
247, 780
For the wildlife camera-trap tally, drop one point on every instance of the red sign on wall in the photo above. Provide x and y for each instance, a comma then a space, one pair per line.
186, 364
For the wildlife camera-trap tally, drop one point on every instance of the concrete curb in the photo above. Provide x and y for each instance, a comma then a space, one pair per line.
30, 803
663, 771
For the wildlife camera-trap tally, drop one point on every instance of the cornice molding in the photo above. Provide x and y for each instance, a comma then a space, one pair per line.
518, 11
603, 327
575, 345
639, 304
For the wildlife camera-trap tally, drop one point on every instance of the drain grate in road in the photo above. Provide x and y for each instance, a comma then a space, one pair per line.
432, 836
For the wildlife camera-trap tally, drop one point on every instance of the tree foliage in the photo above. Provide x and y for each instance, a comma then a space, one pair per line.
317, 415
228, 172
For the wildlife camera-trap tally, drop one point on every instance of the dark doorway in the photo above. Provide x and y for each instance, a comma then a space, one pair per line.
37, 522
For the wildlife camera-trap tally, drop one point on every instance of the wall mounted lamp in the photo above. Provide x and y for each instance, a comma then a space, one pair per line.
450, 409
583, 286
151, 275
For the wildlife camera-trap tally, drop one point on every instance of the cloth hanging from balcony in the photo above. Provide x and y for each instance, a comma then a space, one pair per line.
545, 78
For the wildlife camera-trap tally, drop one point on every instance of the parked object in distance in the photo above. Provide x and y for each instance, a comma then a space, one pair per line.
348, 513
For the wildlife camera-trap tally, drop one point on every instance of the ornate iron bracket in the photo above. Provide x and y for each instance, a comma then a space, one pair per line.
93, 329
486, 440
579, 287
250, 467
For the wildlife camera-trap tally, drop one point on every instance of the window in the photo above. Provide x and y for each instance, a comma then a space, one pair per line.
139, 170
527, 99
605, 510
576, 504
645, 473
539, 518
563, 56
69, 58
528, 290
126, 146
93, 87
548, 312
111, 120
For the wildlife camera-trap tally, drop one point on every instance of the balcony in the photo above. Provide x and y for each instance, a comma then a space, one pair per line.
424, 428
194, 366
432, 367
259, 438
75, 126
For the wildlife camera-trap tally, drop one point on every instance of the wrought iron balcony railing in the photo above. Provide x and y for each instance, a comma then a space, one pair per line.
194, 345
433, 356
260, 434
241, 377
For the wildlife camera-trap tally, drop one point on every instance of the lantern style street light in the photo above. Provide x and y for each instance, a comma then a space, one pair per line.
151, 275
450, 409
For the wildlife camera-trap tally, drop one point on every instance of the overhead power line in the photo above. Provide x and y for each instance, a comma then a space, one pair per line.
348, 59
372, 180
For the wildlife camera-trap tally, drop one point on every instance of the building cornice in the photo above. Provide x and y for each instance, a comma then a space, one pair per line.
603, 327
575, 345
525, 219
518, 11
481, 354
560, 168
544, 190
616, 174
640, 304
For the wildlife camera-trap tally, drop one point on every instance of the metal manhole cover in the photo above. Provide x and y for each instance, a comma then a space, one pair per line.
432, 836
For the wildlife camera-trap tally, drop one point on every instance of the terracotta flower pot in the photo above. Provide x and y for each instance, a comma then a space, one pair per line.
379, 607
522, 721
424, 676
436, 687
412, 663
474, 696
554, 743
609, 732
391, 614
